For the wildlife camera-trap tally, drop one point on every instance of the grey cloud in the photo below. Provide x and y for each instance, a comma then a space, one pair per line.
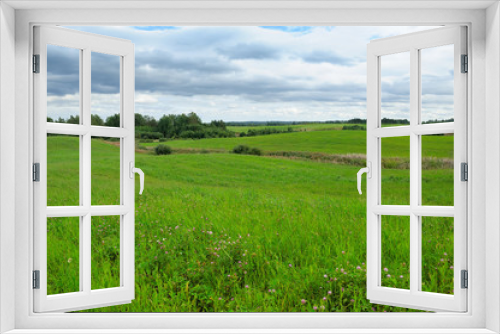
319, 56
250, 51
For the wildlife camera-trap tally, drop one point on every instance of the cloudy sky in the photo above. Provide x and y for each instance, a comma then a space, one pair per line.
251, 73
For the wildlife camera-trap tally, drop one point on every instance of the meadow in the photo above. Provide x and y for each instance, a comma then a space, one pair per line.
238, 233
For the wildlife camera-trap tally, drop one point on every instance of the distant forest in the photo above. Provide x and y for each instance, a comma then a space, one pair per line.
190, 125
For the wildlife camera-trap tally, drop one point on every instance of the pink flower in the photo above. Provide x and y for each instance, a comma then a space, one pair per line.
329, 292
303, 301
388, 276
325, 276
315, 308
386, 270
358, 267
290, 265
324, 298
246, 286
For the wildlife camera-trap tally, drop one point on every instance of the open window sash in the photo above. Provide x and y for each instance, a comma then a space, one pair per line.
415, 297
85, 43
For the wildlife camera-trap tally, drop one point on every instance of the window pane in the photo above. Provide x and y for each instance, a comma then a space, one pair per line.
395, 89
63, 84
437, 170
437, 84
105, 105
396, 252
395, 171
105, 252
63, 170
105, 171
63, 251
437, 255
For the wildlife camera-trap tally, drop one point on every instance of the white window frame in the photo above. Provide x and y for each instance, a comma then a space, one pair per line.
86, 44
412, 44
483, 121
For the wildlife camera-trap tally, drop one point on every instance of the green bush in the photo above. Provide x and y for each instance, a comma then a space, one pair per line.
146, 140
255, 151
244, 149
162, 140
163, 150
241, 149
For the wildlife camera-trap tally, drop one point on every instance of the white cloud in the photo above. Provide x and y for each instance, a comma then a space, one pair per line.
251, 73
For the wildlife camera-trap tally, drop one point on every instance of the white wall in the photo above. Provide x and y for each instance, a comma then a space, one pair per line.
492, 163
7, 162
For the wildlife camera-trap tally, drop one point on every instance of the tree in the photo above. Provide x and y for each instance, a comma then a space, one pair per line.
113, 121
166, 125
96, 120
73, 119
139, 120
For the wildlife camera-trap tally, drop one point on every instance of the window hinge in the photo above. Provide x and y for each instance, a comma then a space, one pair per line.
36, 63
36, 279
465, 279
465, 64
36, 172
464, 171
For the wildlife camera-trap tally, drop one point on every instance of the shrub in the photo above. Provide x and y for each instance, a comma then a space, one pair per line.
255, 151
163, 150
146, 140
162, 140
241, 149
244, 149
354, 127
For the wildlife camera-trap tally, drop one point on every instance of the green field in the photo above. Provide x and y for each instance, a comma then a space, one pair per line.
295, 127
237, 233
329, 142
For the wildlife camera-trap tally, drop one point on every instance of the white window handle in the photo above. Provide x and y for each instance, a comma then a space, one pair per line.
134, 170
368, 171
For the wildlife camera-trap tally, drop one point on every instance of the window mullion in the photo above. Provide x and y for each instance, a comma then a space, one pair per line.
86, 163
415, 252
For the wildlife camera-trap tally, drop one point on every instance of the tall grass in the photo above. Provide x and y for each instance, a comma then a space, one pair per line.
236, 233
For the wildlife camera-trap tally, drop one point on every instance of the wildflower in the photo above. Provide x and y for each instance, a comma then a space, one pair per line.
388, 276
445, 254
303, 301
166, 252
343, 252
69, 260
246, 286
451, 267
176, 227
315, 308
220, 298
322, 307
442, 260
386, 270
352, 300
274, 290
324, 298
330, 292
290, 265
325, 276
342, 289
401, 276
269, 290
342, 270
358, 267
